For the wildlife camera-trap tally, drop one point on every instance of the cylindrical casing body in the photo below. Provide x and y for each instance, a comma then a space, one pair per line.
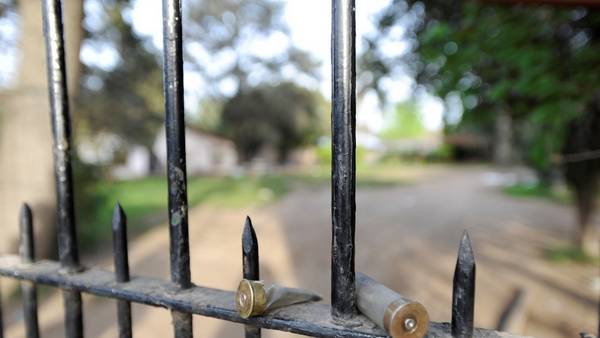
399, 316
253, 298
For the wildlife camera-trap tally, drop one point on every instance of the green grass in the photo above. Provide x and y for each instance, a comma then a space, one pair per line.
145, 200
538, 191
570, 254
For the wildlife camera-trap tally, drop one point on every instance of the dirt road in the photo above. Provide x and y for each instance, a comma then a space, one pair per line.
407, 237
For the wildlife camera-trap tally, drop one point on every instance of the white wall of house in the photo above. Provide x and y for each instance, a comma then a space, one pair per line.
206, 153
136, 165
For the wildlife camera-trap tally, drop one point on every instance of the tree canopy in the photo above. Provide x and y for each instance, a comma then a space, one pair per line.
405, 121
125, 100
282, 116
237, 44
536, 63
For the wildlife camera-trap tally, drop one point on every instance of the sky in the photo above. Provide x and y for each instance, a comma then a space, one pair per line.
309, 22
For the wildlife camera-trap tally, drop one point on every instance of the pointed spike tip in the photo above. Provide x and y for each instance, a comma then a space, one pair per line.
465, 250
119, 216
25, 211
249, 236
463, 290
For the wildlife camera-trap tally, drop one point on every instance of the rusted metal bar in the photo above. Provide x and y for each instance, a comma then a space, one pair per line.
312, 319
176, 167
250, 265
61, 129
343, 177
119, 232
28, 289
463, 293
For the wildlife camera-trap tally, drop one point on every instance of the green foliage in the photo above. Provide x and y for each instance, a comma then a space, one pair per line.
220, 32
442, 153
281, 117
539, 64
405, 122
537, 191
209, 117
324, 154
126, 100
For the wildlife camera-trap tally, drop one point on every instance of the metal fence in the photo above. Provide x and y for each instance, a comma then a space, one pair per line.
180, 295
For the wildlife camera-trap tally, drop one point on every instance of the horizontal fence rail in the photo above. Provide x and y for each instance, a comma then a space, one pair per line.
311, 319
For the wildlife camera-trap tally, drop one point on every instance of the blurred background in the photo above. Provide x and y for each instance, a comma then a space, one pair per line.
471, 115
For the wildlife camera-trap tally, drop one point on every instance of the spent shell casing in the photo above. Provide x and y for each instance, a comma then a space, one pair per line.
397, 315
253, 298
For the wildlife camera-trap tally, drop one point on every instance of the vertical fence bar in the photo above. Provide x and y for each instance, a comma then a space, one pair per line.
463, 291
61, 129
176, 167
28, 289
1, 317
119, 233
250, 265
343, 289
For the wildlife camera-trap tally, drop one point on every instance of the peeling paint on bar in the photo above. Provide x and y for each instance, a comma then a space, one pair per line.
311, 319
61, 132
343, 165
28, 289
176, 169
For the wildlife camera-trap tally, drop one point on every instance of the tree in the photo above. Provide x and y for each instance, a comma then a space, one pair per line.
281, 116
535, 65
581, 163
126, 99
405, 122
26, 170
239, 44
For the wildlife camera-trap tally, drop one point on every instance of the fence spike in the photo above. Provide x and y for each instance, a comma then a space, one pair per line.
176, 162
250, 251
343, 176
28, 289
26, 244
250, 265
463, 293
61, 130
1, 317
119, 231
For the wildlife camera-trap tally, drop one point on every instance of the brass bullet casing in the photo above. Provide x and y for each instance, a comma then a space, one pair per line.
253, 298
398, 316
406, 320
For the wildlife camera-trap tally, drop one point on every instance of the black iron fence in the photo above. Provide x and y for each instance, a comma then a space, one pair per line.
180, 295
